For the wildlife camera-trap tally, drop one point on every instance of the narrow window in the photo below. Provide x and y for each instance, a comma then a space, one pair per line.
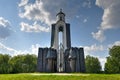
60, 37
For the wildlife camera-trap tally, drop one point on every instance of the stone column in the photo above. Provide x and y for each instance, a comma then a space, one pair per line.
82, 60
72, 59
40, 60
73, 64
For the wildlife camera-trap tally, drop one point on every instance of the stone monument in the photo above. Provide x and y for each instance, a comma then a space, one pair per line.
61, 57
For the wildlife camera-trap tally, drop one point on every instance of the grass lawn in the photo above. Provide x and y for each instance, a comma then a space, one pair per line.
59, 76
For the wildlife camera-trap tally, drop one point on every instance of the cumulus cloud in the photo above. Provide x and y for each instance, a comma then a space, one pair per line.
33, 28
35, 12
7, 49
89, 50
116, 43
5, 28
99, 35
13, 52
53, 6
110, 18
44, 11
34, 48
22, 3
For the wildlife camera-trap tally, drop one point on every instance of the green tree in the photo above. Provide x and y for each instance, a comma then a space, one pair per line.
4, 63
113, 61
92, 64
16, 63
30, 63
23, 63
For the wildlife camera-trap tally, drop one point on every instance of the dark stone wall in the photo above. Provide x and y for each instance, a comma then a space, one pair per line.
45, 50
78, 65
40, 60
52, 34
68, 39
79, 60
82, 60
67, 62
74, 60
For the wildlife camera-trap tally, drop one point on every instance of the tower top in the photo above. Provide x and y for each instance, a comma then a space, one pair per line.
60, 16
60, 13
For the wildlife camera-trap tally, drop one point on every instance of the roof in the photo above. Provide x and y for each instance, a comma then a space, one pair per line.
60, 12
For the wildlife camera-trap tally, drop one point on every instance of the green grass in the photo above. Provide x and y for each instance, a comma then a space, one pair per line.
76, 76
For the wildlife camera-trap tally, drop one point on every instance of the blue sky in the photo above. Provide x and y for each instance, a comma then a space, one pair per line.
25, 25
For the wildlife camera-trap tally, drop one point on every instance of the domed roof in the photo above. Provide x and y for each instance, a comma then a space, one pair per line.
60, 12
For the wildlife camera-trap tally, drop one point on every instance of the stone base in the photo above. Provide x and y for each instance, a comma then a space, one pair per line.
73, 60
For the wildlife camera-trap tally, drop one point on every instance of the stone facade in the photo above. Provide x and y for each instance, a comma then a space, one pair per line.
61, 57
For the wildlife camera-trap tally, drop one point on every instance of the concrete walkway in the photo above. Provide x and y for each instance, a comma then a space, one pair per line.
60, 74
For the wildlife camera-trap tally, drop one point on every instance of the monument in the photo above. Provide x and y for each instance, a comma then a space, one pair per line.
61, 57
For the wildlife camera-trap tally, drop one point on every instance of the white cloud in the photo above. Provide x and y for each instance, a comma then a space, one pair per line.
44, 11
5, 28
116, 43
35, 12
110, 18
102, 61
4, 22
93, 48
99, 35
22, 3
7, 50
34, 48
33, 28
87, 4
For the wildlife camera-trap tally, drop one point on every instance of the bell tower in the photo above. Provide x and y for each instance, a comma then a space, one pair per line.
61, 57
60, 26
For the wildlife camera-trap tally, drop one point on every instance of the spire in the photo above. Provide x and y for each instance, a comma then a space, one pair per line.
60, 10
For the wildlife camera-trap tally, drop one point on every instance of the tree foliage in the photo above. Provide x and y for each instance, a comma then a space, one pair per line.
113, 61
18, 64
4, 64
92, 64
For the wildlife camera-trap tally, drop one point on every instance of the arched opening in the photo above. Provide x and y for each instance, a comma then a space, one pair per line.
60, 50
60, 37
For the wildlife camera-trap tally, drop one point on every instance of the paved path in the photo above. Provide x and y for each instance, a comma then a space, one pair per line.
60, 74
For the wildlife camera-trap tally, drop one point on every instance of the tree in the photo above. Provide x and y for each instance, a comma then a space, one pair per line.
23, 63
92, 64
113, 61
16, 63
30, 63
4, 63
